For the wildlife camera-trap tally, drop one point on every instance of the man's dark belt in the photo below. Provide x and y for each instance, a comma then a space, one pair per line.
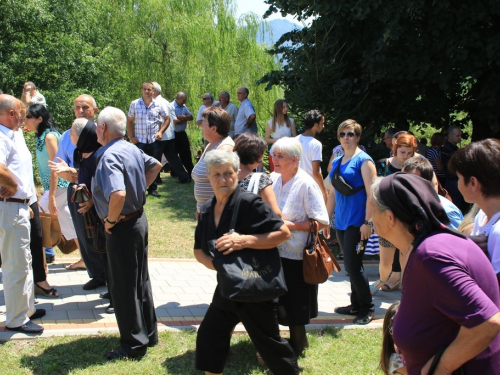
15, 200
132, 215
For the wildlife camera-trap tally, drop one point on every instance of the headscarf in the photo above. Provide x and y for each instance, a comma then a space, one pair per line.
414, 202
87, 142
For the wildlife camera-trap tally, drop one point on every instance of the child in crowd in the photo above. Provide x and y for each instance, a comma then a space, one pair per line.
390, 361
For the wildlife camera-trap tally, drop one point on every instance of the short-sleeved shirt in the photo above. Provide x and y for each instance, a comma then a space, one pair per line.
351, 210
66, 149
245, 111
148, 119
184, 111
14, 154
264, 181
311, 151
39, 99
232, 111
299, 199
254, 217
122, 167
448, 283
452, 211
491, 229
199, 116
432, 155
169, 108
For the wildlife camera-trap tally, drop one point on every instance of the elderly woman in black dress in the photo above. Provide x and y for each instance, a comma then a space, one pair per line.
256, 228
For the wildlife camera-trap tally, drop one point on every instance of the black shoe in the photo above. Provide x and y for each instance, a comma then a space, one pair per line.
154, 193
110, 309
28, 327
159, 181
121, 354
364, 317
94, 284
50, 258
104, 295
39, 313
347, 310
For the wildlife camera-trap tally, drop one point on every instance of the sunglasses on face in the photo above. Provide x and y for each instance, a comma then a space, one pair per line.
349, 135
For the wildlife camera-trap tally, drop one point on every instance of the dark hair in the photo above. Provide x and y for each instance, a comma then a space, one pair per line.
39, 110
479, 160
437, 139
387, 340
312, 117
250, 148
219, 118
423, 166
391, 131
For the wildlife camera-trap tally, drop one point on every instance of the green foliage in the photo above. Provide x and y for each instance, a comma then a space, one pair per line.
397, 63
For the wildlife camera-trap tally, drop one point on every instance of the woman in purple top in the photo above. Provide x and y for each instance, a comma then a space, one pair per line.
451, 301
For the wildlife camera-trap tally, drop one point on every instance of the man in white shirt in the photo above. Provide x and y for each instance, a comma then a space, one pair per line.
227, 105
31, 95
208, 101
312, 149
17, 187
245, 120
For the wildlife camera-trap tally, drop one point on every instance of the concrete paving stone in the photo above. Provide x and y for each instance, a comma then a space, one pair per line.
172, 289
191, 289
56, 315
65, 290
80, 314
179, 312
175, 282
44, 305
160, 313
92, 304
66, 306
198, 311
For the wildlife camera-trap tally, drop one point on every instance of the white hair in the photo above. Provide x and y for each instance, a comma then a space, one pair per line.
79, 124
115, 119
156, 87
289, 145
375, 191
219, 157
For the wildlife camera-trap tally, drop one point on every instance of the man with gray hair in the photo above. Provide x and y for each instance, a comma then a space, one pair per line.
227, 105
16, 193
245, 120
31, 95
119, 189
181, 139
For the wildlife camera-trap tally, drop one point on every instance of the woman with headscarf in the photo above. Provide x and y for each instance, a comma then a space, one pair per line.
449, 313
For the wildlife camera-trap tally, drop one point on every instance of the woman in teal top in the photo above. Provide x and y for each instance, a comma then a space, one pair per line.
39, 120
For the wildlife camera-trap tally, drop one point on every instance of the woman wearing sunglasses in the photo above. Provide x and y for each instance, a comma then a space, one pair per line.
353, 217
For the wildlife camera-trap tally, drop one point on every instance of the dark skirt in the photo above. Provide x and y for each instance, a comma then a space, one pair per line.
300, 304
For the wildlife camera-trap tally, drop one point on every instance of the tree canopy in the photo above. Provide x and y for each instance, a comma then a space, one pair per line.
393, 63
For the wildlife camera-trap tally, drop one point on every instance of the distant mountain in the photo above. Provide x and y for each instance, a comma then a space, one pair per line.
280, 27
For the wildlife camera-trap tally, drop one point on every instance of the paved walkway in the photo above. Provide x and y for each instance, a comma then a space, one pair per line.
182, 291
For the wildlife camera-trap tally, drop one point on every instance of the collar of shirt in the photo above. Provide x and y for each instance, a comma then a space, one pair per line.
7, 131
103, 149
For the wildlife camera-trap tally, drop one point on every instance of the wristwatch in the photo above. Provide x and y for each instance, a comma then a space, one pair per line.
368, 222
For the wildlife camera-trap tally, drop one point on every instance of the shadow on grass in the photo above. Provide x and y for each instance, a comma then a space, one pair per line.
333, 332
241, 360
64, 358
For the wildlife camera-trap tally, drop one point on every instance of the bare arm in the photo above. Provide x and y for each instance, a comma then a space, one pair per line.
368, 172
164, 127
468, 344
7, 181
204, 259
235, 241
250, 121
63, 170
318, 177
51, 144
303, 225
294, 129
130, 130
267, 194
152, 173
267, 136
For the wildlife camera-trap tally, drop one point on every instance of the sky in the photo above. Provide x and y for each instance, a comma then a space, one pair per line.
259, 7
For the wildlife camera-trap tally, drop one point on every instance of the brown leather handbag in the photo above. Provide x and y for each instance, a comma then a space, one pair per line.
319, 261
51, 230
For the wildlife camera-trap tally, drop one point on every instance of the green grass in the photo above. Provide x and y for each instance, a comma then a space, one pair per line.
332, 351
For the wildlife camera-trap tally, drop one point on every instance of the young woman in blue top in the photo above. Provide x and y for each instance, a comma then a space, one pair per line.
353, 217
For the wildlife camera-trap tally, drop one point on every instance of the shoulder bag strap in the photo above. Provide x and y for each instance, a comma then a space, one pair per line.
253, 185
386, 167
235, 213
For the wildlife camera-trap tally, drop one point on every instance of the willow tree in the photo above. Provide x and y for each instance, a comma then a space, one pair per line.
194, 46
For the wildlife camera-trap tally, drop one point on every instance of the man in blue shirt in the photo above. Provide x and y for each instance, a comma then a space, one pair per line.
181, 139
119, 189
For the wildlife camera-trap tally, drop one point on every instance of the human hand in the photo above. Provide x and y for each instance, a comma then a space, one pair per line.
52, 206
229, 242
60, 167
5, 192
85, 206
159, 136
134, 140
366, 231
481, 241
108, 226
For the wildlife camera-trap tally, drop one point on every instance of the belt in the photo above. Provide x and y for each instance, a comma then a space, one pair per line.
129, 216
16, 200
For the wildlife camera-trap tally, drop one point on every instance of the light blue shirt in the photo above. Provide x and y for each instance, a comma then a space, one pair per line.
65, 149
180, 127
245, 111
452, 211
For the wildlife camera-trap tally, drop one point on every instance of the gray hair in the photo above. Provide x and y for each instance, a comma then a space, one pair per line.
452, 128
226, 94
245, 89
156, 87
181, 95
31, 84
289, 145
7, 103
219, 157
375, 191
79, 124
115, 119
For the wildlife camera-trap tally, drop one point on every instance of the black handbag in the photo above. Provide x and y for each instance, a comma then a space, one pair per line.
248, 275
99, 237
341, 186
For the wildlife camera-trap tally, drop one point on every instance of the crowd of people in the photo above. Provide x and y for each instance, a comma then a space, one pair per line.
449, 272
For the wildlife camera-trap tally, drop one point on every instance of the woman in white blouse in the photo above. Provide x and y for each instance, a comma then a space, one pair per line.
299, 199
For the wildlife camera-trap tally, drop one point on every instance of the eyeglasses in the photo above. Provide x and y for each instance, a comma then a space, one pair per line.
206, 98
349, 134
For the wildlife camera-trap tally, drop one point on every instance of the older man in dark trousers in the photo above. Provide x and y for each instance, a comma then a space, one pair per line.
119, 188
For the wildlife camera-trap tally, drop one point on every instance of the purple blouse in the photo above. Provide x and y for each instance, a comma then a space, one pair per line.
448, 283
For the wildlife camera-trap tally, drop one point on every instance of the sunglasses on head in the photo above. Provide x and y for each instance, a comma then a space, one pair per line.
349, 134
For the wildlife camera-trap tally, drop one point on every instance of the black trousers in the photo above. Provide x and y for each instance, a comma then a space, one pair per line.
130, 286
170, 152
36, 246
92, 259
184, 150
361, 297
261, 322
153, 150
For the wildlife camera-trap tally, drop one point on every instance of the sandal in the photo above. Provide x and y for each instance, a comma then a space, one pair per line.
51, 293
374, 288
391, 288
80, 265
